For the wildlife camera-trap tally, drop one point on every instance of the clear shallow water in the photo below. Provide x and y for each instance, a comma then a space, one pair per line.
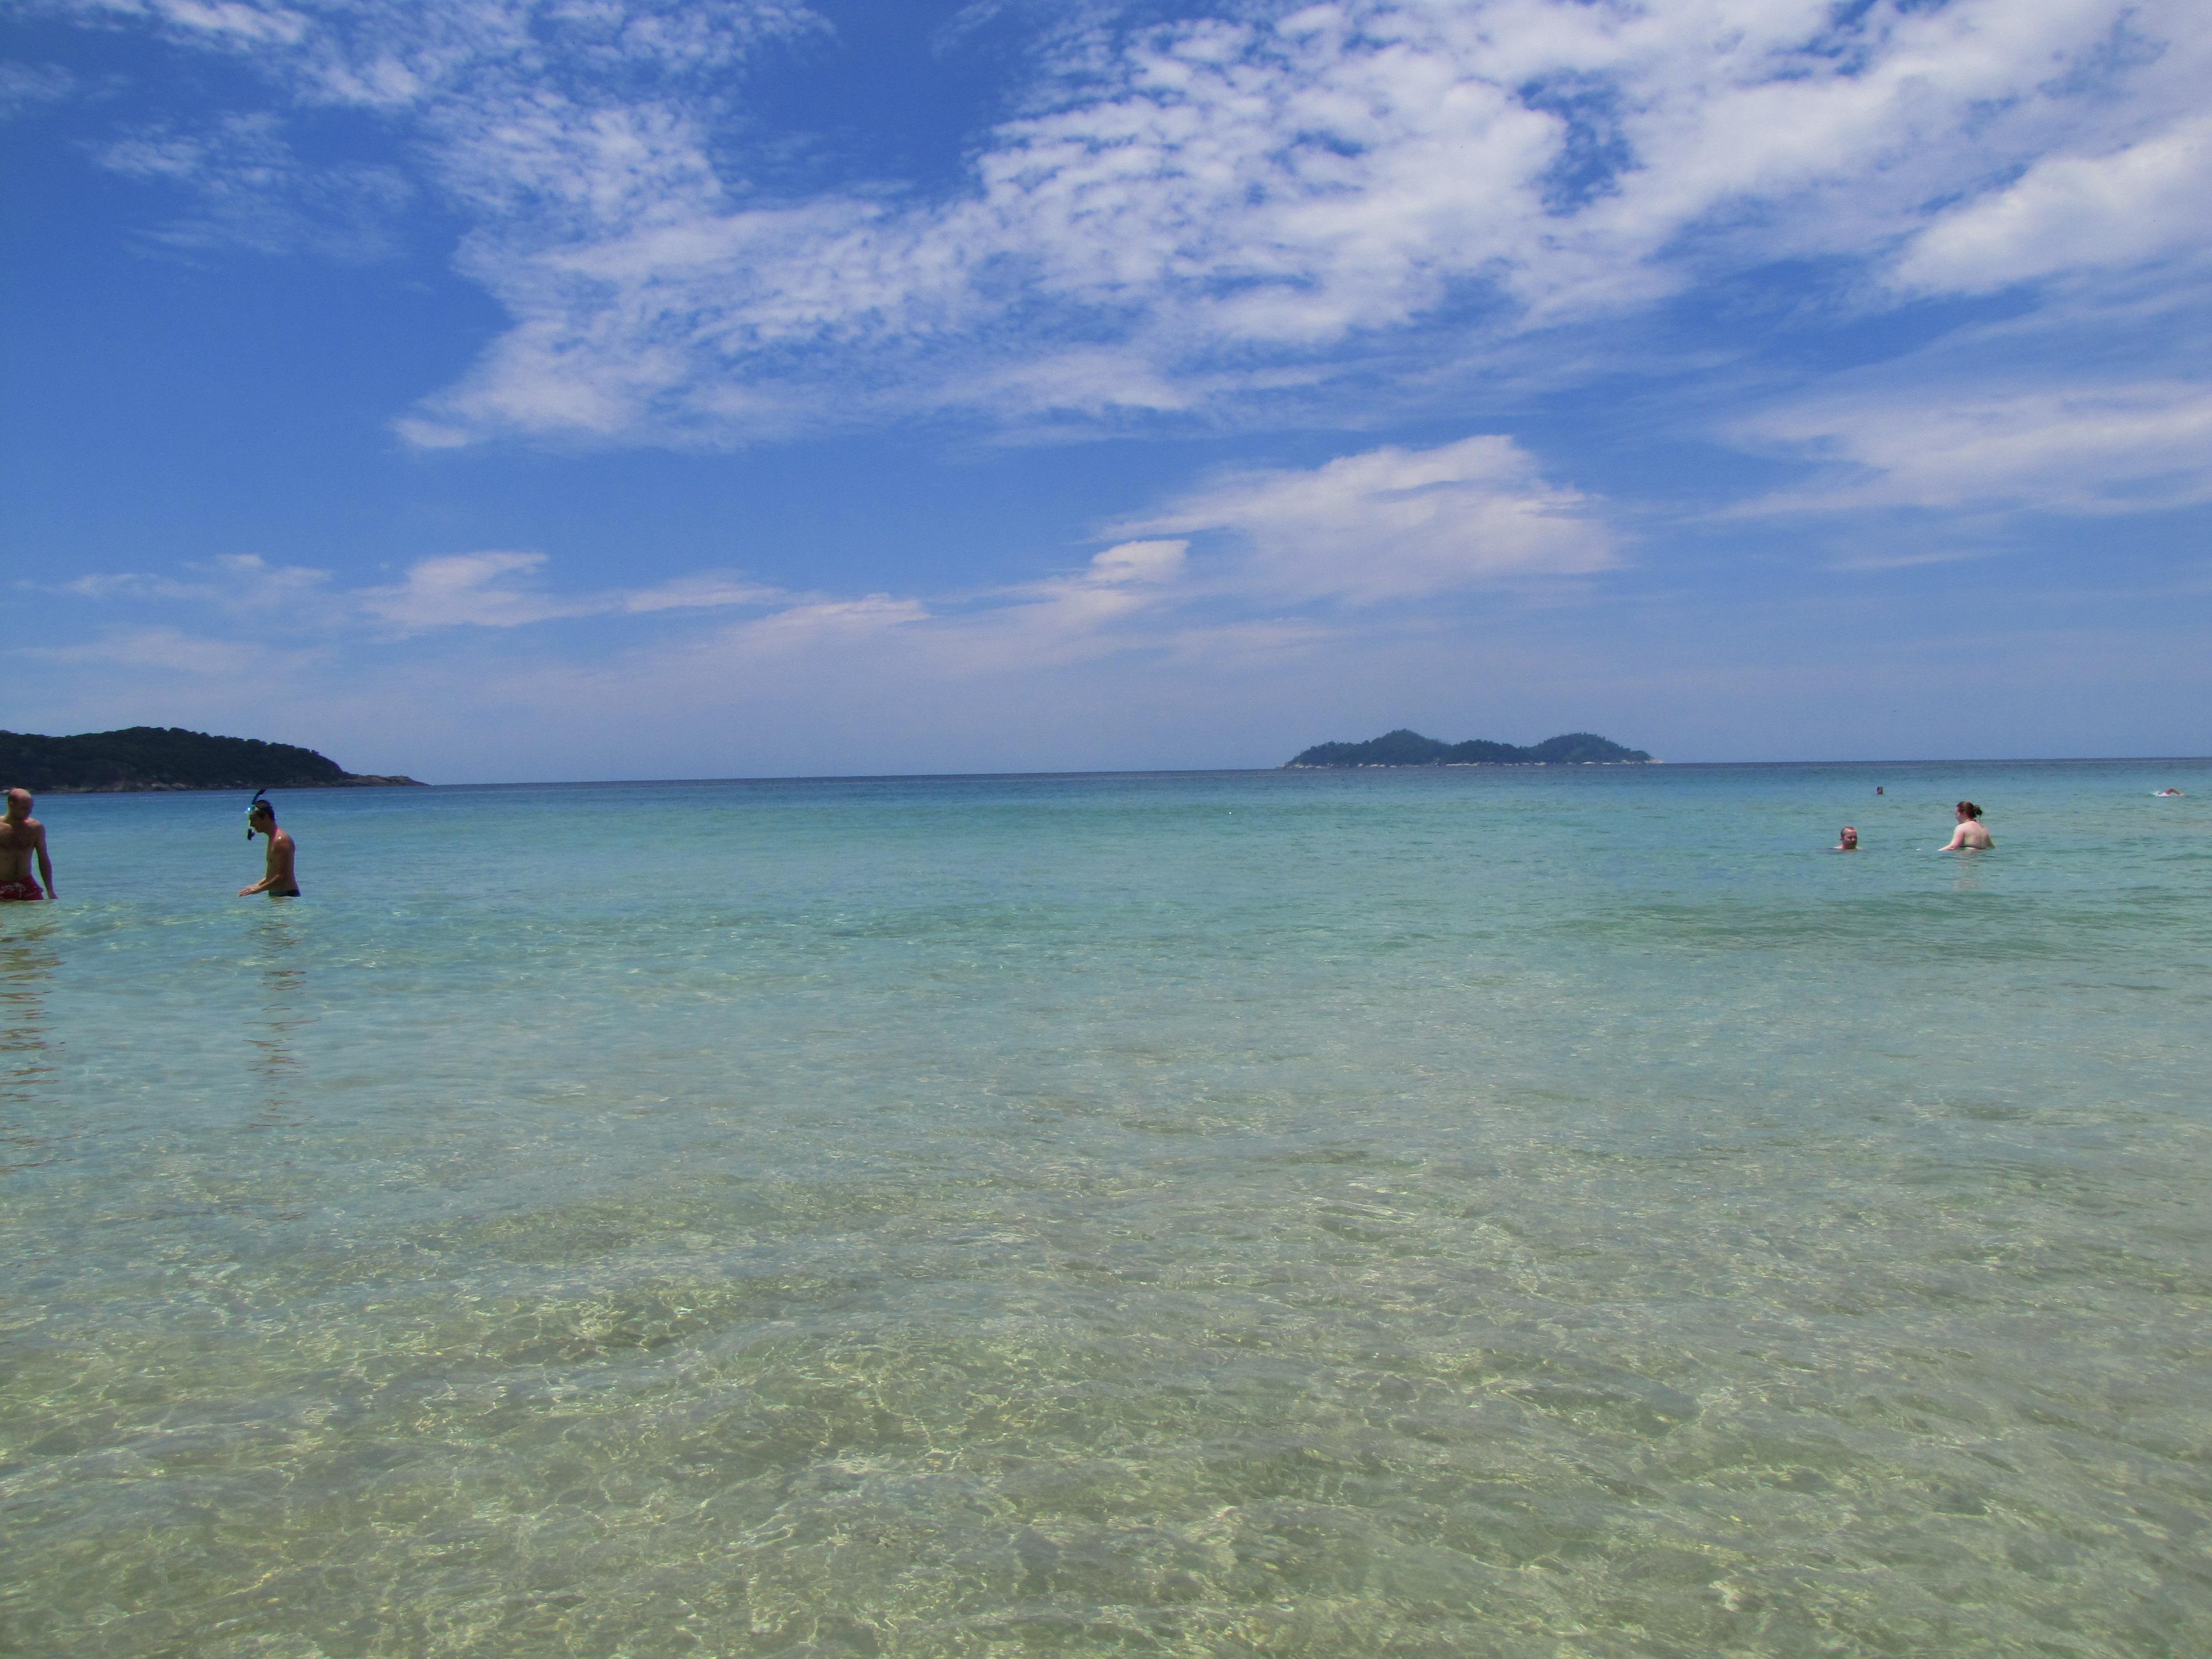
1518, 1212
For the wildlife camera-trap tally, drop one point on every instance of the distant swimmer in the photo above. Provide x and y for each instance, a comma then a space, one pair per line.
282, 881
1877, 789
2163, 793
1969, 836
22, 838
1849, 842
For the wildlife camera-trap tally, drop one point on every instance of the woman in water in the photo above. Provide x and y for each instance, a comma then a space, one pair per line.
1969, 836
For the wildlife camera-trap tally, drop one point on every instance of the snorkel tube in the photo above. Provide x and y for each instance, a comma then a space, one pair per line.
256, 802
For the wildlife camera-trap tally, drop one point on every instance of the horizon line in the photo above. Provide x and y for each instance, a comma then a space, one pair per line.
1162, 772
1218, 771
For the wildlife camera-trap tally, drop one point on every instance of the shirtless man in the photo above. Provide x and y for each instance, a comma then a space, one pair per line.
1969, 836
21, 835
1848, 842
281, 881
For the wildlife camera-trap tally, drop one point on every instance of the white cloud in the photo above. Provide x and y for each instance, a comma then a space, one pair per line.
142, 651
465, 590
707, 593
1187, 216
1126, 599
1220, 197
2100, 448
239, 23
1296, 551
250, 190
240, 583
25, 86
457, 590
2073, 213
1140, 562
1398, 523
812, 623
500, 590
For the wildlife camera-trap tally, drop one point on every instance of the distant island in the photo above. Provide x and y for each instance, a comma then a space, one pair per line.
158, 757
1404, 747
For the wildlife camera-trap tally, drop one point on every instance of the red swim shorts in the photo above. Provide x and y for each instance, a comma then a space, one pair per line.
25, 889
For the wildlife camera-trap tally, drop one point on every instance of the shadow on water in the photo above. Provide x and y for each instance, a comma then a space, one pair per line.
29, 1049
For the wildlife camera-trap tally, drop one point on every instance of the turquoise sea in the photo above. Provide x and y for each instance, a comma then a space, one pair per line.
1530, 1212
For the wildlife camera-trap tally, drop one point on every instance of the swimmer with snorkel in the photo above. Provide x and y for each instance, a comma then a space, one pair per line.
282, 880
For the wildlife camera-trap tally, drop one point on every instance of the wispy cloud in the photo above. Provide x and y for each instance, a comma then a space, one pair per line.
1205, 205
468, 590
501, 590
2072, 213
1396, 524
248, 188
2085, 448
243, 23
168, 650
239, 583
492, 589
1193, 218
27, 87
1291, 549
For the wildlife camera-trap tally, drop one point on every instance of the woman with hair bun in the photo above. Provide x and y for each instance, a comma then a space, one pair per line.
1969, 836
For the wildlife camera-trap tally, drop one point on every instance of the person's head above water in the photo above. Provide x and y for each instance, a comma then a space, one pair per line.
1849, 841
259, 815
19, 806
1968, 809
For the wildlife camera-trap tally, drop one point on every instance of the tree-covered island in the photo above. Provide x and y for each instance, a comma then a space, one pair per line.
1405, 748
166, 757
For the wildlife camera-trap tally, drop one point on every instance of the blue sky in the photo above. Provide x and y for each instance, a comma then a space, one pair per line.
538, 389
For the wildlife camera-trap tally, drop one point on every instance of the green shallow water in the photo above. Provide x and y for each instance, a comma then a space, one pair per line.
1523, 1213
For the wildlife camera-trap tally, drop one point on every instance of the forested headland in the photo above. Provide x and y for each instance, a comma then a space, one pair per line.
166, 757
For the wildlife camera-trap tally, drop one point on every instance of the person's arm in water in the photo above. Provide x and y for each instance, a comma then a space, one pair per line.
1958, 842
45, 864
